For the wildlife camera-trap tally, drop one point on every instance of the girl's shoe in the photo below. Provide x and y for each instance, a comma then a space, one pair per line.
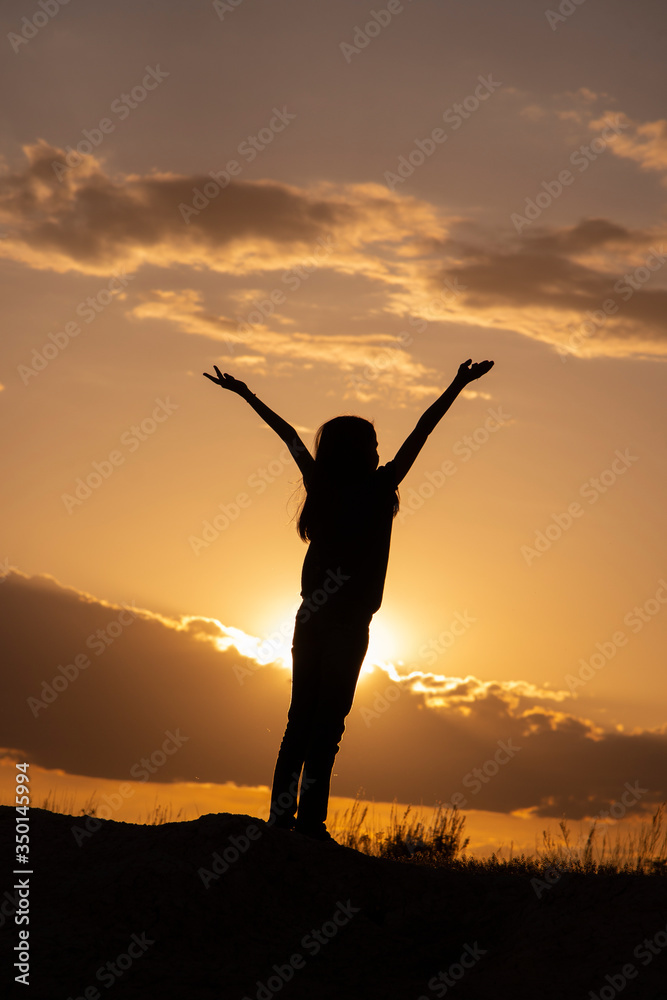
318, 832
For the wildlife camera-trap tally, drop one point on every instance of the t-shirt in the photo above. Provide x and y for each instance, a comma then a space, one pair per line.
346, 562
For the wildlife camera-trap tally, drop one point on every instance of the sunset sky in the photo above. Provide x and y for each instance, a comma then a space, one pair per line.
399, 188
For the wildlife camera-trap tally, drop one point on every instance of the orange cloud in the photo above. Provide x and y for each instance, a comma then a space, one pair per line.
595, 288
645, 143
92, 223
252, 342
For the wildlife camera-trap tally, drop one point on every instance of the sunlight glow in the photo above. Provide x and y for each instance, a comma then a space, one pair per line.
274, 649
382, 647
276, 644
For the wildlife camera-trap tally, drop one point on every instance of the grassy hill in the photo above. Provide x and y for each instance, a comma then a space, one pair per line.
227, 907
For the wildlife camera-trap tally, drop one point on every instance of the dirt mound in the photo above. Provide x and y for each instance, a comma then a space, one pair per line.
227, 907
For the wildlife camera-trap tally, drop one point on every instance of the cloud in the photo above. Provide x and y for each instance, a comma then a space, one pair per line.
551, 763
90, 222
370, 363
645, 142
137, 675
593, 288
417, 737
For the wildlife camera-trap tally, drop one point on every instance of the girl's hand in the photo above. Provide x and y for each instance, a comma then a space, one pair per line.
227, 381
480, 368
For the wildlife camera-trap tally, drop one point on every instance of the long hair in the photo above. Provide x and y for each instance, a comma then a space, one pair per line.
344, 459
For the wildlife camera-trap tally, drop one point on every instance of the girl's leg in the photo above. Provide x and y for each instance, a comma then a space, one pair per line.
306, 671
344, 647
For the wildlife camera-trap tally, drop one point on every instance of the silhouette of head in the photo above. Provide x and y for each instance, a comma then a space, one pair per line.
346, 454
347, 445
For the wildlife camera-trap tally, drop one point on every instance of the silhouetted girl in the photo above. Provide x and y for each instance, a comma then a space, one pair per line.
346, 518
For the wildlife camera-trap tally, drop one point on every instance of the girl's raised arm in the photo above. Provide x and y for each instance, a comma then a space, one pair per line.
285, 431
413, 444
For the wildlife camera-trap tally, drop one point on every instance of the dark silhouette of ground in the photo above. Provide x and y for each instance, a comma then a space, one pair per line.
313, 920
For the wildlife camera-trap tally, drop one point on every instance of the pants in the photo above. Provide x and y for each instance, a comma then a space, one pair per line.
327, 653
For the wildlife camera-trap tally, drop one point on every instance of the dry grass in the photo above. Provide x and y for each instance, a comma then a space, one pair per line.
644, 851
442, 843
405, 838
